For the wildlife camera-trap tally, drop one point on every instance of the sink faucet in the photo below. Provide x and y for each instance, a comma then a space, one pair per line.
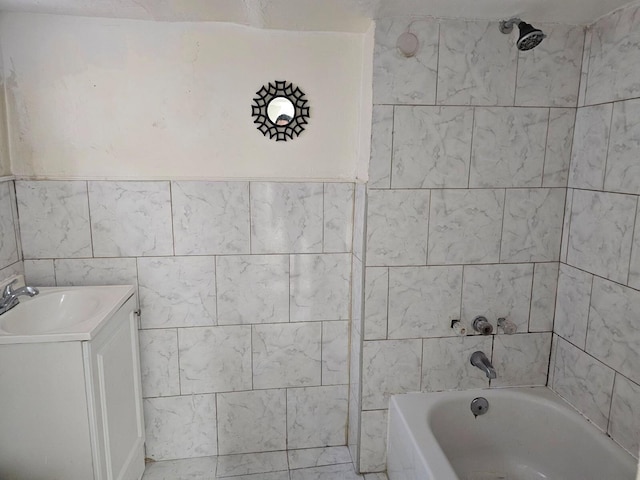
10, 296
480, 360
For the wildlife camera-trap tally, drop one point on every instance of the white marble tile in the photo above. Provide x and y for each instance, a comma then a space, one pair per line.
389, 367
558, 150
210, 217
202, 468
96, 271
287, 355
286, 217
381, 142
357, 295
532, 226
169, 437
497, 291
317, 416
397, 225
284, 475
8, 243
584, 73
624, 421
396, 78
54, 219
477, 64
320, 287
634, 263
252, 421
612, 335
601, 233
508, 147
329, 472
375, 476
318, 457
13, 269
353, 429
446, 366
338, 217
373, 441
215, 359
359, 217
40, 273
177, 291
623, 169
376, 303
564, 247
252, 289
521, 359
13, 199
584, 382
543, 297
130, 219
423, 301
335, 353
549, 75
465, 226
251, 463
431, 147
552, 359
159, 363
572, 305
589, 152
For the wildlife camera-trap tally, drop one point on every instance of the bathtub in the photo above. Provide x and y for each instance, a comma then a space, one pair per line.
526, 434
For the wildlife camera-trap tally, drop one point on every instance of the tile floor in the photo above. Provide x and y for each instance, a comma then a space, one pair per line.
330, 463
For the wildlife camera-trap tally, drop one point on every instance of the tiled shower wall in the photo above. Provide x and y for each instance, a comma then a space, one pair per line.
470, 158
597, 340
244, 290
10, 253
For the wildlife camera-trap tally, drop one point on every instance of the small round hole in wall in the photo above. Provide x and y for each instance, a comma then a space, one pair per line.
280, 110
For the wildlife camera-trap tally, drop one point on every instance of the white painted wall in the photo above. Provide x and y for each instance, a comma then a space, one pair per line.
112, 98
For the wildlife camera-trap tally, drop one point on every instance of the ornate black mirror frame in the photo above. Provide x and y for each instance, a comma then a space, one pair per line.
259, 110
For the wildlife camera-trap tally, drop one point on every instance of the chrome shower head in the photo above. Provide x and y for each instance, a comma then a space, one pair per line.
530, 37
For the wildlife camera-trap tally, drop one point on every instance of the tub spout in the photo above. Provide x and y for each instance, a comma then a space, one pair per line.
480, 360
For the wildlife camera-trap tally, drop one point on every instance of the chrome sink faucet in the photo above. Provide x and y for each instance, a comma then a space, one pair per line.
480, 360
10, 295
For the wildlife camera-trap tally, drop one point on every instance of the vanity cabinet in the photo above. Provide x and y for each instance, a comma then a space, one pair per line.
72, 410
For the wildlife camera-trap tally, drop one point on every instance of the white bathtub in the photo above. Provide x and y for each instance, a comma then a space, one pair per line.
526, 434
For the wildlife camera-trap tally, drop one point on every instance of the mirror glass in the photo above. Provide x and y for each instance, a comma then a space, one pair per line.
280, 111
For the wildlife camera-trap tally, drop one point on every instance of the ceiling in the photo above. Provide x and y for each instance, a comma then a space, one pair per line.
321, 15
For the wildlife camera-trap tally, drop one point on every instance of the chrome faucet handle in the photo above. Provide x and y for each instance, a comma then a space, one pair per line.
8, 290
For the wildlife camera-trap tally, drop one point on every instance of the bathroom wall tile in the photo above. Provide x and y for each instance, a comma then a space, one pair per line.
159, 363
13, 199
286, 217
423, 301
624, 423
496, 291
508, 147
335, 353
615, 56
634, 264
353, 427
397, 225
623, 170
543, 297
375, 476
338, 217
283, 475
549, 75
13, 269
445, 363
40, 273
177, 291
532, 226
381, 142
376, 303
359, 218
586, 54
320, 287
130, 219
396, 78
54, 219
564, 247
431, 147
389, 367
329, 472
8, 243
357, 296
584, 382
202, 468
251, 463
612, 335
559, 143
601, 233
210, 217
465, 226
590, 140
373, 441
169, 437
552, 359
317, 416
482, 75
252, 289
252, 421
287, 355
521, 359
215, 359
318, 457
96, 271
572, 305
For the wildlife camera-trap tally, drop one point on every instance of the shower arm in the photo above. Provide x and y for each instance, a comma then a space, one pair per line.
506, 26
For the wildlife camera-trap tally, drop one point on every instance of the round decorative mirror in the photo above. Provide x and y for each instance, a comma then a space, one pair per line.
280, 110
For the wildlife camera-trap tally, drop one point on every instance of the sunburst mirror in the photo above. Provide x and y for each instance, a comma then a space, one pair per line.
280, 110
